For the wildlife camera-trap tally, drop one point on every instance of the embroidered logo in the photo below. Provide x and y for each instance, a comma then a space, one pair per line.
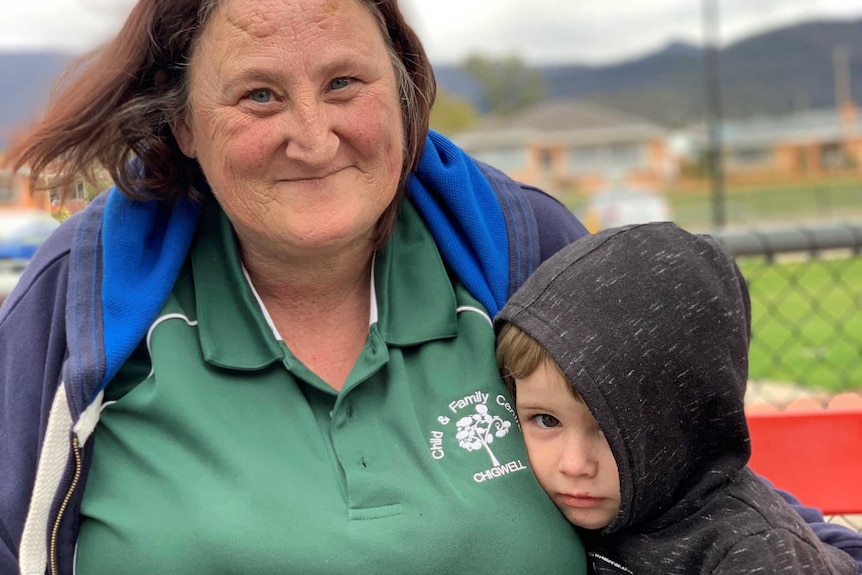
476, 426
478, 430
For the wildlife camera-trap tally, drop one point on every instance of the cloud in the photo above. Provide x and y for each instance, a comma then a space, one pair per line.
567, 31
74, 25
539, 30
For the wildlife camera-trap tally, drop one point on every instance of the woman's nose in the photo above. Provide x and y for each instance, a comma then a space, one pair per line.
309, 134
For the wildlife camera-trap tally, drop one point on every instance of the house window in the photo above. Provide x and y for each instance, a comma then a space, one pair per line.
79, 192
7, 188
610, 157
546, 160
749, 157
832, 157
7, 194
626, 155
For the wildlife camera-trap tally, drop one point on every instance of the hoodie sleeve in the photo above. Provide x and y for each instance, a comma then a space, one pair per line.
781, 552
832, 534
537, 224
32, 347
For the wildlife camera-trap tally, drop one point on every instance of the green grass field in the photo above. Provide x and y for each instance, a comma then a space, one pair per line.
753, 206
747, 206
807, 322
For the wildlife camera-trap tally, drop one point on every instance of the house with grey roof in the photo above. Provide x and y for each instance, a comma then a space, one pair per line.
809, 143
564, 145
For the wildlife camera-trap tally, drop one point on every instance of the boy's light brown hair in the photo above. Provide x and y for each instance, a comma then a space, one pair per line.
519, 355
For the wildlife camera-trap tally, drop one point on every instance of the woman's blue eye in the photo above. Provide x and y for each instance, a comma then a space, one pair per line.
339, 83
260, 96
546, 421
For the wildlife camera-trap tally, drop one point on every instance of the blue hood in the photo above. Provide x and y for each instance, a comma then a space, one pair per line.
145, 244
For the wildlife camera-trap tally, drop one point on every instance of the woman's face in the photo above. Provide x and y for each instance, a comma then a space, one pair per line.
295, 120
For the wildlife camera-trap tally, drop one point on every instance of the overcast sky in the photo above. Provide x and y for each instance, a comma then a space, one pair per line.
541, 31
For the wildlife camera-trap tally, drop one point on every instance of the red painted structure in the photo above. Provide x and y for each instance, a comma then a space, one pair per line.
815, 455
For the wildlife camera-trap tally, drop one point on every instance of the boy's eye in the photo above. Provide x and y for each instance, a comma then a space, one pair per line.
339, 83
261, 96
546, 421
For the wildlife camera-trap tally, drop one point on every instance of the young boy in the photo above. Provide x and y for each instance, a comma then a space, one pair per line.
627, 356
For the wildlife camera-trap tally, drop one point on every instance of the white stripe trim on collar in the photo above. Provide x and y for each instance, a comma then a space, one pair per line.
372, 308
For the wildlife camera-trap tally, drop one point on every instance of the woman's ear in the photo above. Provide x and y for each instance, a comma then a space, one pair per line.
185, 138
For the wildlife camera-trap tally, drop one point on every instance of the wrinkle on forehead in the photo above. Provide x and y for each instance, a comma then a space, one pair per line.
255, 17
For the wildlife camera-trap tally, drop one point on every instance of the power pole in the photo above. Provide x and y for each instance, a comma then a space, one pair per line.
841, 64
714, 114
844, 100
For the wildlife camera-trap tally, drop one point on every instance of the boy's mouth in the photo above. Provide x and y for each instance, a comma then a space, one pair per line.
580, 500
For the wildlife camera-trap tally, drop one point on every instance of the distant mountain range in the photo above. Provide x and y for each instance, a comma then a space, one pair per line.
775, 72
25, 86
772, 73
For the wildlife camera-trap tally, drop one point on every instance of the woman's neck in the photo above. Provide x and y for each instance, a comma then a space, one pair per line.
304, 280
320, 307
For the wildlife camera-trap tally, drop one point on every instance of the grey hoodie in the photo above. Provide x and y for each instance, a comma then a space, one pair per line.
651, 324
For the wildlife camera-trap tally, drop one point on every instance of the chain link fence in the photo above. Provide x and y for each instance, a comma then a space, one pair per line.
806, 294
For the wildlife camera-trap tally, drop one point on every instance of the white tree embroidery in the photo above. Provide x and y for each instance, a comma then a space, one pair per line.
478, 430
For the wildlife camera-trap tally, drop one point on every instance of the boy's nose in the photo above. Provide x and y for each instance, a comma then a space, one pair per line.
577, 458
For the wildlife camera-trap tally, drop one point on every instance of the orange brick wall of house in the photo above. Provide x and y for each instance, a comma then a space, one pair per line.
547, 166
798, 162
657, 155
533, 171
537, 170
652, 176
807, 158
786, 158
853, 149
657, 170
21, 197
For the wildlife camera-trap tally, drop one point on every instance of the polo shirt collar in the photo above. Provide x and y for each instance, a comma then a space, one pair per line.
414, 305
417, 302
233, 331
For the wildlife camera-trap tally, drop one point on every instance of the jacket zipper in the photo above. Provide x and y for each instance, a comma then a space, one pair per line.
76, 451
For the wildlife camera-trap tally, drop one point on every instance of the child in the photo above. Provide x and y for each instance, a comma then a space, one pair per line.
627, 356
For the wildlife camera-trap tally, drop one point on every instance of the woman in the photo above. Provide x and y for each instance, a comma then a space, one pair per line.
257, 355
266, 366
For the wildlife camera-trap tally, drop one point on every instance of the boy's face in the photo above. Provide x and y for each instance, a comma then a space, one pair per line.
568, 452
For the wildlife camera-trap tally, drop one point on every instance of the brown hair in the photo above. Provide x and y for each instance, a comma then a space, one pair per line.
519, 356
118, 105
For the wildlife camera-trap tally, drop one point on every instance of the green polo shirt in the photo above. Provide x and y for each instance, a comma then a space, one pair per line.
222, 453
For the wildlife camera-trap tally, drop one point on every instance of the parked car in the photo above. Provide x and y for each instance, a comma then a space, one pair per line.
618, 206
21, 233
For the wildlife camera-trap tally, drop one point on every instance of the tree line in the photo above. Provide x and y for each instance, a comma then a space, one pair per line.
507, 86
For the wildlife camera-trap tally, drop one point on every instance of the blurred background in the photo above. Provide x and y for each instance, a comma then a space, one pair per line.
740, 118
716, 113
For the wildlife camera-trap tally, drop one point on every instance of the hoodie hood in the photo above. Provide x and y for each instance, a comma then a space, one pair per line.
651, 324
